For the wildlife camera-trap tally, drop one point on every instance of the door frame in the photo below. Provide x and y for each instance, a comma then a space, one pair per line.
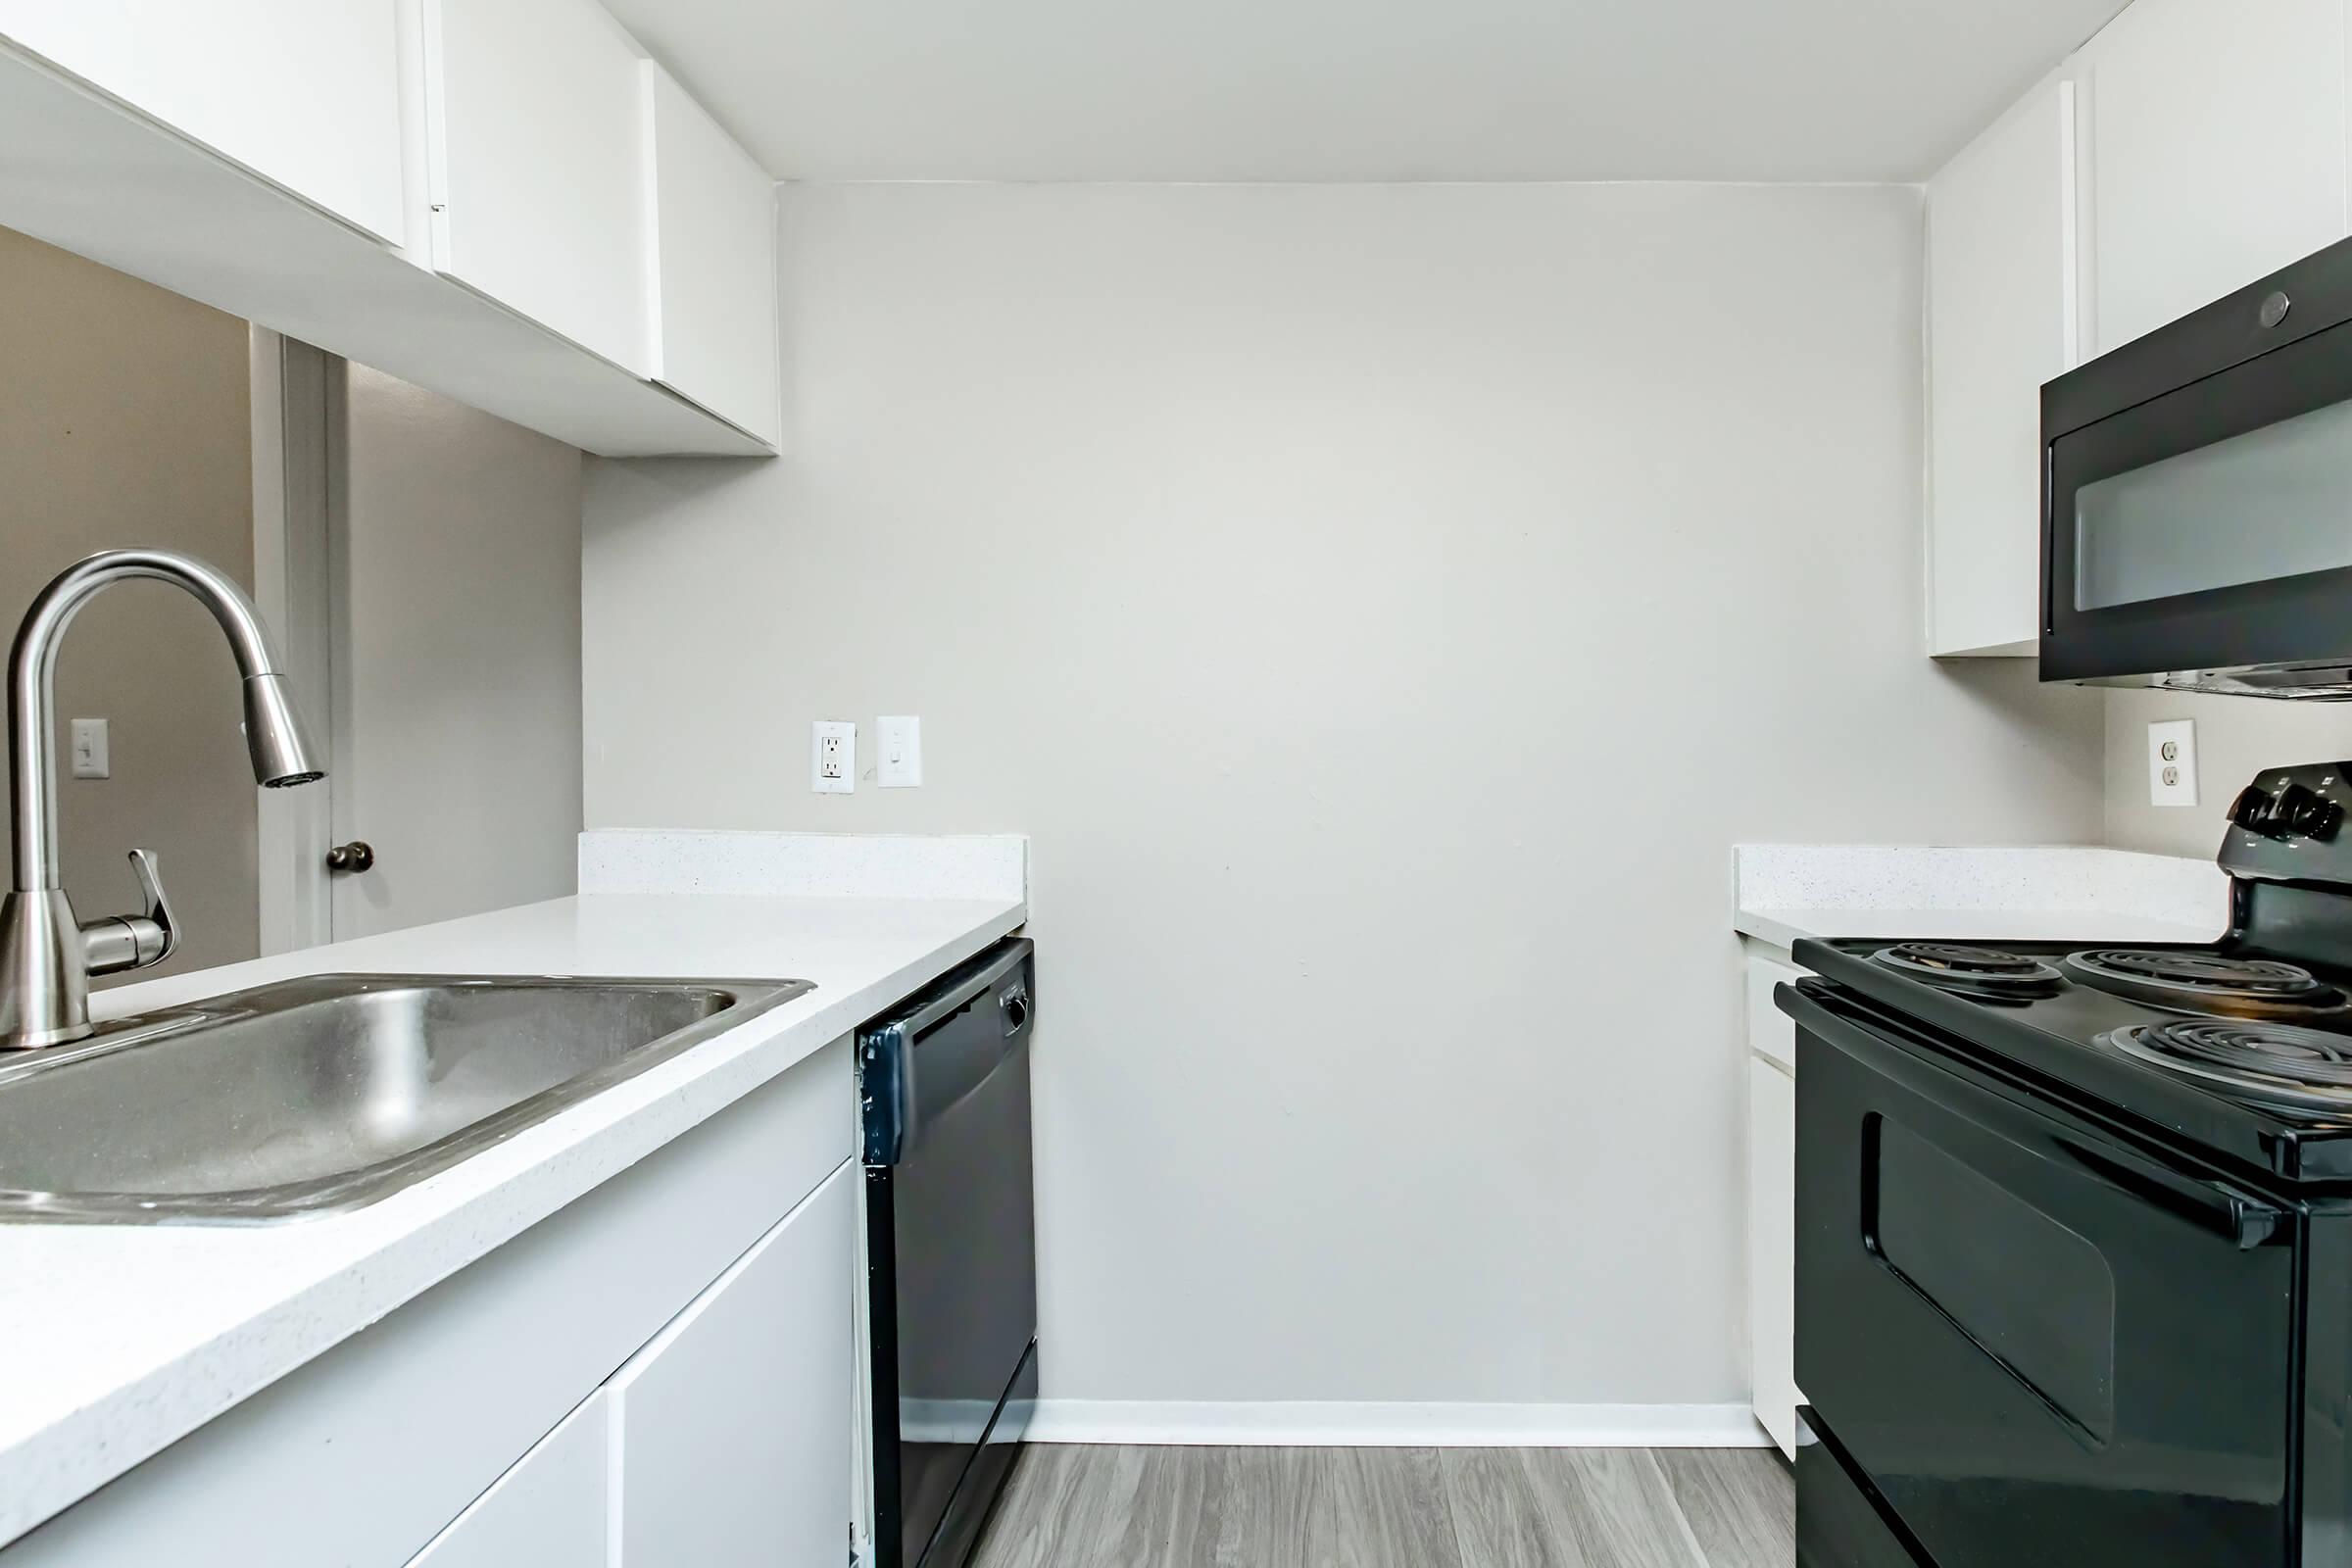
293, 583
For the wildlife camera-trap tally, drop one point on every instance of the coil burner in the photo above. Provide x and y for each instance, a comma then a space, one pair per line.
2209, 982
2279, 1064
1986, 973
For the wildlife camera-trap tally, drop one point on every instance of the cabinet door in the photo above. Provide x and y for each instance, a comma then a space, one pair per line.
535, 134
549, 1510
1772, 1250
1770, 1031
733, 1425
2217, 152
305, 93
2000, 321
715, 264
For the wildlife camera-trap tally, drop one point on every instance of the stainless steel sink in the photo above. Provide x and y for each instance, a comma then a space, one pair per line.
327, 1093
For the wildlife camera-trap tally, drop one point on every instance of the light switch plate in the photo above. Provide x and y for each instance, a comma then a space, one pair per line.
90, 759
833, 756
899, 751
2173, 763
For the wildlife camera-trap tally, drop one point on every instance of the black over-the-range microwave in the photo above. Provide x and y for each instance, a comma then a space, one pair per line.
2196, 519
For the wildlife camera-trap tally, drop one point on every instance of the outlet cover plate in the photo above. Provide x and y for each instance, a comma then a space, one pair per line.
2173, 763
833, 756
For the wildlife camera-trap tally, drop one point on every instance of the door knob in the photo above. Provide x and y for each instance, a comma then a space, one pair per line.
355, 856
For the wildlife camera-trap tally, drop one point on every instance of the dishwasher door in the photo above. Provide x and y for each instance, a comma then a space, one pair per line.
952, 1255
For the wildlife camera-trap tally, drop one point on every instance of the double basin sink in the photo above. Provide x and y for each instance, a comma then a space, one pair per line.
327, 1092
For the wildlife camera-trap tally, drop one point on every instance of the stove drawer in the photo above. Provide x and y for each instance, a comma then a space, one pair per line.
1837, 1525
2024, 1330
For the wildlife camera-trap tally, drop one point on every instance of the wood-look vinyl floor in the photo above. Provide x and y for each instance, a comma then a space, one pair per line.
1132, 1508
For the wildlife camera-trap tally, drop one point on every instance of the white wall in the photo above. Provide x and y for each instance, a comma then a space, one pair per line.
123, 420
2237, 737
1384, 607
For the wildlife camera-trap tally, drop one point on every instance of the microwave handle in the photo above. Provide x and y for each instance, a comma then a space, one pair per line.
2243, 1220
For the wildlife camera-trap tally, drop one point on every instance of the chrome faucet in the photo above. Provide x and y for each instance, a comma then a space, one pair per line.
46, 955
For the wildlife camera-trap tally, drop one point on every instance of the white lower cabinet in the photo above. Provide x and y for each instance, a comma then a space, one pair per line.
551, 1509
729, 1429
1772, 1206
1772, 1248
722, 1444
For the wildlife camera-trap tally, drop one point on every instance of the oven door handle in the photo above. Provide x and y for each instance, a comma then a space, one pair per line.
1893, 1049
2247, 1220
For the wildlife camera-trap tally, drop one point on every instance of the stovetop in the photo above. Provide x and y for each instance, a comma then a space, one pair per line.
2240, 1047
2261, 1074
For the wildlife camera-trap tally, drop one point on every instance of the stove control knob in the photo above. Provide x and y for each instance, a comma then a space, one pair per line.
2295, 811
2252, 810
2306, 813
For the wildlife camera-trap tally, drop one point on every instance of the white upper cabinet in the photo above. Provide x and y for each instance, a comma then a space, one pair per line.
2217, 152
535, 134
713, 297
303, 94
2001, 320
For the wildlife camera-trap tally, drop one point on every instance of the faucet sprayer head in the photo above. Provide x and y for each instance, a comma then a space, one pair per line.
283, 753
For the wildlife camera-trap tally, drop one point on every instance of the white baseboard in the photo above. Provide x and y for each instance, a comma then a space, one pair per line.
1351, 1424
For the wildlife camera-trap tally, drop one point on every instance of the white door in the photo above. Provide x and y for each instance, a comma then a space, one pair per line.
423, 558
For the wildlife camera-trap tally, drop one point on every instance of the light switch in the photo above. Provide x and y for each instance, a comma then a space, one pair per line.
899, 737
89, 748
833, 756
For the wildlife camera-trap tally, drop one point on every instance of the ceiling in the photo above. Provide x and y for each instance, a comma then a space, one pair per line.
1358, 89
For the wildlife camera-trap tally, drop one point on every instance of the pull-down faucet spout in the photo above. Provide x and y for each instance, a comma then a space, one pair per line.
46, 955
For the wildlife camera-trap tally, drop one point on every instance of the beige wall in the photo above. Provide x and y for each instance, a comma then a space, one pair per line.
1385, 608
455, 560
123, 420
2236, 738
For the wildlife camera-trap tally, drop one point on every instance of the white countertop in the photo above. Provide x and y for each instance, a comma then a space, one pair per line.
2056, 893
116, 1341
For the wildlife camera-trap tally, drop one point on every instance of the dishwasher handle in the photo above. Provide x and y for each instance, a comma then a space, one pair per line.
919, 1063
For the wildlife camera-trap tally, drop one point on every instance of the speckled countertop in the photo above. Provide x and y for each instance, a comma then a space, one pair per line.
2056, 893
116, 1341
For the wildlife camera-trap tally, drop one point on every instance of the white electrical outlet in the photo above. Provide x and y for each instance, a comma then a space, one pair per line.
89, 748
833, 756
898, 752
2173, 763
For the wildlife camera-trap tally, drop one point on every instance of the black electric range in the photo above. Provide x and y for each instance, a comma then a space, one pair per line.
2075, 1231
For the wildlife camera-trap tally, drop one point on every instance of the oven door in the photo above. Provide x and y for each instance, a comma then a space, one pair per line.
2027, 1333
2195, 490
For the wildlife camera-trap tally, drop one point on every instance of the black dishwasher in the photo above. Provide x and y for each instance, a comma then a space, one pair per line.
951, 1254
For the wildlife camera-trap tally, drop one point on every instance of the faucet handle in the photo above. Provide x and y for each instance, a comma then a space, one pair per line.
115, 942
144, 867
